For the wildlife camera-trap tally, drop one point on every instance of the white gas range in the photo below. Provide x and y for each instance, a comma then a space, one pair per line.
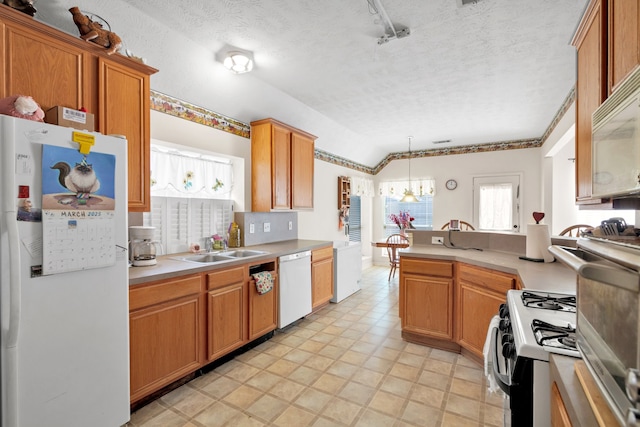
532, 325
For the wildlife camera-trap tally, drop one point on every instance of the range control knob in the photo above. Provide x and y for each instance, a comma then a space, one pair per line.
504, 325
633, 418
508, 350
504, 310
632, 385
507, 338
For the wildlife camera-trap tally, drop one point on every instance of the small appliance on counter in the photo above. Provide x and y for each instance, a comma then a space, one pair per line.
144, 249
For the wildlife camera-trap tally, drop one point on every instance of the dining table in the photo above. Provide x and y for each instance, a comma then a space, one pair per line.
394, 246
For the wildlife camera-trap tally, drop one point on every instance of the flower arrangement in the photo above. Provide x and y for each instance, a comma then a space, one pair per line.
402, 220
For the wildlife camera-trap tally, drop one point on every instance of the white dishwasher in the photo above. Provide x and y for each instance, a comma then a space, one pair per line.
294, 300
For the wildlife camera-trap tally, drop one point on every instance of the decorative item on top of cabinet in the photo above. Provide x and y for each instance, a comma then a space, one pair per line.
95, 32
281, 167
112, 87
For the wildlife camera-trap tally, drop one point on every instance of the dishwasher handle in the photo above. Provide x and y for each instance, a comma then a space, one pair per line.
295, 256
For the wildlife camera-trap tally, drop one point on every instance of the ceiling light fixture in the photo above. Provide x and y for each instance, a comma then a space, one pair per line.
409, 197
238, 62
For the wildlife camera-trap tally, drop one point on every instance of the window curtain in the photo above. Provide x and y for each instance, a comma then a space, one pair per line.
420, 187
176, 174
361, 186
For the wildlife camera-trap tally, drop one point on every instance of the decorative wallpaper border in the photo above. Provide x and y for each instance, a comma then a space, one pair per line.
178, 108
175, 107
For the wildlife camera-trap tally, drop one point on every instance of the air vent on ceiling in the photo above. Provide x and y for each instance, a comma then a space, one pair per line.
442, 141
462, 3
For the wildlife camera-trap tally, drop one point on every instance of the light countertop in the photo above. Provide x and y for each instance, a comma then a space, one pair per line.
548, 277
168, 267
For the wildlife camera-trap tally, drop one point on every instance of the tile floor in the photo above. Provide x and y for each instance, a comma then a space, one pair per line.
345, 365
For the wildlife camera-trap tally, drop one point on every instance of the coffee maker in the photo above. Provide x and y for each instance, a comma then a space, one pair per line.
143, 249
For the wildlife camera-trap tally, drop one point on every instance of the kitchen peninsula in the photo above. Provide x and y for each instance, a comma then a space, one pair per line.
448, 295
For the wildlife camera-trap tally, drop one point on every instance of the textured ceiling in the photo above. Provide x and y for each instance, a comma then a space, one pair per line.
494, 71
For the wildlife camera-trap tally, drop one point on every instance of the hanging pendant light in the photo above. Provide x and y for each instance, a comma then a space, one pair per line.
409, 197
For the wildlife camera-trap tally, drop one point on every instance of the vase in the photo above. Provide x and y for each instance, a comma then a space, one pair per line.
403, 232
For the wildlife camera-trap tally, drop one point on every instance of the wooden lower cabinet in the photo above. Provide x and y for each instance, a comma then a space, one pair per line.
428, 306
179, 325
559, 414
426, 299
321, 277
166, 333
226, 311
263, 309
480, 292
449, 304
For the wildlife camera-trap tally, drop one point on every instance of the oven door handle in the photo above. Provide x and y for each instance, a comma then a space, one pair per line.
503, 380
609, 274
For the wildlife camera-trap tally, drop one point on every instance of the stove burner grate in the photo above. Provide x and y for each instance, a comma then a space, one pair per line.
569, 342
554, 335
549, 302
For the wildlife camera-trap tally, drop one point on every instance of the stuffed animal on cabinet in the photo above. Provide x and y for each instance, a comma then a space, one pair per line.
25, 6
94, 32
23, 107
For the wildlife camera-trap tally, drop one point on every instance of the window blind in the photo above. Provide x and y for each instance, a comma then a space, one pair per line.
180, 222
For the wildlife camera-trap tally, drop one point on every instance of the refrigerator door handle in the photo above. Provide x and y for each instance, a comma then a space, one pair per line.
14, 279
10, 218
10, 372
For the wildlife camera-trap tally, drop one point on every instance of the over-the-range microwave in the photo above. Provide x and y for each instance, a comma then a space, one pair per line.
616, 142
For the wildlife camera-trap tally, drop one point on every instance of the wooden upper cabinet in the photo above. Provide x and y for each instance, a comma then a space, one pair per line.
624, 40
58, 69
44, 67
281, 167
591, 90
123, 95
302, 148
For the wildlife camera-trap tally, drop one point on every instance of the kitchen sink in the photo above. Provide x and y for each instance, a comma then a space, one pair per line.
220, 256
205, 259
243, 253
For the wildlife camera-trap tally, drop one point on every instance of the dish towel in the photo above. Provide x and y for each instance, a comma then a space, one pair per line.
487, 351
264, 282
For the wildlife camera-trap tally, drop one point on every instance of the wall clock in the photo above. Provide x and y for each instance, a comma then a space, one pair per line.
451, 184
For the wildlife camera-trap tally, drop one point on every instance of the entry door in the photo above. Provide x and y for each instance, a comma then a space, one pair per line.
497, 202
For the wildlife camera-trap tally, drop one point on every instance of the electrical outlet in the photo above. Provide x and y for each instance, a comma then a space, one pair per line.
290, 225
252, 228
267, 227
437, 240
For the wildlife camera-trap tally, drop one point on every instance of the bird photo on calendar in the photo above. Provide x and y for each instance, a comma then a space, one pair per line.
72, 180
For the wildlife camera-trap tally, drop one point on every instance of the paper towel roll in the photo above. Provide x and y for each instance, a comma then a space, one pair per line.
538, 240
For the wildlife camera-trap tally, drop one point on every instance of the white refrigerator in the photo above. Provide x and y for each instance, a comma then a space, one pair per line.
63, 276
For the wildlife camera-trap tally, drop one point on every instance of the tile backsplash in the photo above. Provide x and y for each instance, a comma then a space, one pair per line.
281, 226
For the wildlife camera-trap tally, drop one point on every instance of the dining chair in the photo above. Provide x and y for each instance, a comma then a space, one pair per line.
395, 242
578, 228
464, 225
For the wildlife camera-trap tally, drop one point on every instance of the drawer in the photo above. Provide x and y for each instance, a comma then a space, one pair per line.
146, 295
426, 267
485, 278
320, 254
220, 278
